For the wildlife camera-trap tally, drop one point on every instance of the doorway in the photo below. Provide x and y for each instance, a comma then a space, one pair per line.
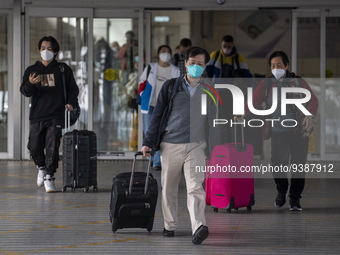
316, 57
103, 52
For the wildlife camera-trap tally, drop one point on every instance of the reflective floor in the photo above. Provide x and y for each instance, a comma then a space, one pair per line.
34, 222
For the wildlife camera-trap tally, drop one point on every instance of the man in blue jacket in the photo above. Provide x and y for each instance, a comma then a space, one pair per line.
179, 129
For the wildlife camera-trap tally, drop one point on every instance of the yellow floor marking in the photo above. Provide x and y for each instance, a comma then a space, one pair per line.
18, 176
108, 234
5, 252
99, 243
49, 199
96, 222
14, 198
16, 186
69, 246
31, 229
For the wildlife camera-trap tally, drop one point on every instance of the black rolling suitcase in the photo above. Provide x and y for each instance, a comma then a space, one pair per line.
79, 160
133, 199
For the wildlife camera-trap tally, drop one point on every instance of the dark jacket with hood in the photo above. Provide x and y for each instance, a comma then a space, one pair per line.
48, 101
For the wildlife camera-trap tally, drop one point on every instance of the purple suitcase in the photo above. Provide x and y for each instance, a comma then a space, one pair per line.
226, 187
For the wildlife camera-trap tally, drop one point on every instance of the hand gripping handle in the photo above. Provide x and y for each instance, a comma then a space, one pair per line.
133, 170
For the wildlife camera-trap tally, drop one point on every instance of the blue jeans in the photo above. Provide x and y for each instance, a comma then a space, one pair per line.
146, 124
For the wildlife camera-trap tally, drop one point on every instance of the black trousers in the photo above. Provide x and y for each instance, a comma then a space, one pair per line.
44, 142
289, 148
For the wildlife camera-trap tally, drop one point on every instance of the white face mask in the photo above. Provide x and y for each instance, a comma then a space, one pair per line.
46, 55
278, 73
165, 56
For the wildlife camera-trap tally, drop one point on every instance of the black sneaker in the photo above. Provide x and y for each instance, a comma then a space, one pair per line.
280, 200
200, 235
168, 233
294, 204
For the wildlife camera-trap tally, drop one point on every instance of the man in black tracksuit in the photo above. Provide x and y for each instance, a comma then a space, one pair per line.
43, 82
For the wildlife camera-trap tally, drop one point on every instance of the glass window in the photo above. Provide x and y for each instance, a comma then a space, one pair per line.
115, 84
308, 66
332, 85
3, 84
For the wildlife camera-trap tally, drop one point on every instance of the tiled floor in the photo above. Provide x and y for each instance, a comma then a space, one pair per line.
34, 222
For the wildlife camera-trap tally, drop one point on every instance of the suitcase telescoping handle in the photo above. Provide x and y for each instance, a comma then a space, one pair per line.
235, 132
133, 170
67, 121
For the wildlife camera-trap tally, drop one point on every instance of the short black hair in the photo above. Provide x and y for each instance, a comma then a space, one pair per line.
164, 46
194, 51
54, 43
227, 38
185, 42
281, 54
130, 32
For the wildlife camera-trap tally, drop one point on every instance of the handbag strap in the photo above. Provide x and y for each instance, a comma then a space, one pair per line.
67, 113
62, 70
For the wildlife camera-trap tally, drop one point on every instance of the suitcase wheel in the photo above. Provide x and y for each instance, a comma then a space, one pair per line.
114, 226
150, 225
248, 208
95, 189
228, 210
86, 189
215, 210
149, 228
64, 189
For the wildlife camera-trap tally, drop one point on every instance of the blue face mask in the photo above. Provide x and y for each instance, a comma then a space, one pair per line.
195, 71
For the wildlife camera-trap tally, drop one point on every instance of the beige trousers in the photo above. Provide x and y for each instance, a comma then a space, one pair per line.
175, 158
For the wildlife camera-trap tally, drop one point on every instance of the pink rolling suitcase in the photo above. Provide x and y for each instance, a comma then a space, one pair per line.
226, 186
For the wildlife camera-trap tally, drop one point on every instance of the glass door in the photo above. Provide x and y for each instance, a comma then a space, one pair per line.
8, 91
115, 112
307, 65
107, 57
72, 31
118, 56
316, 56
332, 81
4, 76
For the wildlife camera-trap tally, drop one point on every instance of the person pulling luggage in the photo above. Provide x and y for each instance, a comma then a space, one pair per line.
43, 82
178, 129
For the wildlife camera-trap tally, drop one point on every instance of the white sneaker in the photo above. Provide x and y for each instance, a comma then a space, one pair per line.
49, 184
41, 175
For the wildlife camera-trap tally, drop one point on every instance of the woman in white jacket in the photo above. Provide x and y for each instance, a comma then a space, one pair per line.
151, 82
